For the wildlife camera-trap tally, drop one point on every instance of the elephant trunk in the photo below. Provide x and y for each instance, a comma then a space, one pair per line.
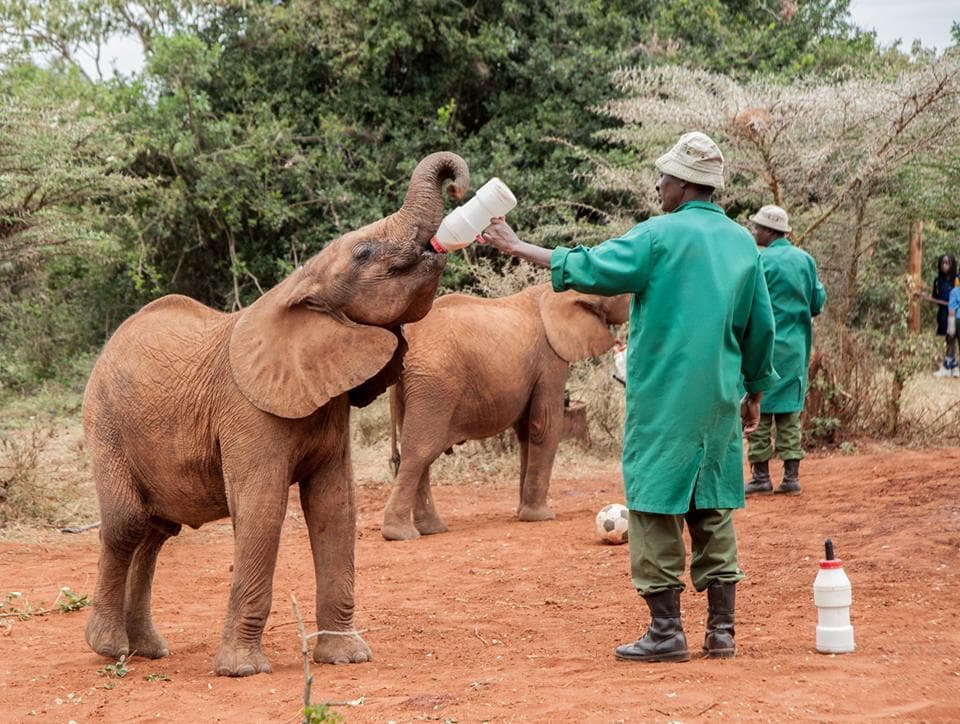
422, 211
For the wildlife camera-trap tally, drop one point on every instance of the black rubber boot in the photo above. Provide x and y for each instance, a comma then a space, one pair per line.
721, 600
760, 483
791, 478
664, 639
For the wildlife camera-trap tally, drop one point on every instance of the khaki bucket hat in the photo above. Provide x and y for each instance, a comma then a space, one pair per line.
773, 217
694, 158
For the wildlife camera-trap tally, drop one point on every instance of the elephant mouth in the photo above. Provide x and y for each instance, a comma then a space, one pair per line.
433, 257
425, 259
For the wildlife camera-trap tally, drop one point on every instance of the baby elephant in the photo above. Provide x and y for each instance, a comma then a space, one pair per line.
476, 367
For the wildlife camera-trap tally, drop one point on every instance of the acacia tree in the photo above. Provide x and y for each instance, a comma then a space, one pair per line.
74, 33
59, 159
61, 167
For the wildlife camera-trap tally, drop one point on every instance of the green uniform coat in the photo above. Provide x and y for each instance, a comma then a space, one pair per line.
700, 316
797, 297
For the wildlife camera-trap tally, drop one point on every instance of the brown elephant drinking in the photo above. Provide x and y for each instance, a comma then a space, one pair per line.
476, 367
193, 415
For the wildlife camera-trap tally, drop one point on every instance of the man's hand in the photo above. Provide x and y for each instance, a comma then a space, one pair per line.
750, 412
500, 236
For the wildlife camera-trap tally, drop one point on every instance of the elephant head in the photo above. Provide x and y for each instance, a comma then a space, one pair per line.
577, 325
333, 325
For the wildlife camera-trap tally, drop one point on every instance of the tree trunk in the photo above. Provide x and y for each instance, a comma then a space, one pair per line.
893, 404
913, 265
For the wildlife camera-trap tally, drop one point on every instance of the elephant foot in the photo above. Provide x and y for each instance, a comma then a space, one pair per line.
533, 513
233, 660
107, 638
429, 525
333, 649
147, 642
399, 531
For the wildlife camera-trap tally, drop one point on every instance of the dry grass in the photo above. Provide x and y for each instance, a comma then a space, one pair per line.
930, 411
44, 475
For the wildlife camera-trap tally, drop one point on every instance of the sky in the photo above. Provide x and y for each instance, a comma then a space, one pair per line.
927, 20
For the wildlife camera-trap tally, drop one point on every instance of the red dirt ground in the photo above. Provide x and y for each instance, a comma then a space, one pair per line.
499, 620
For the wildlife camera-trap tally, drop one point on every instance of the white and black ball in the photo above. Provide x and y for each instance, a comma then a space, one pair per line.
612, 523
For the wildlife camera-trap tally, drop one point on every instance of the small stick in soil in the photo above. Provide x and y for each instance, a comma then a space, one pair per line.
704, 711
80, 528
477, 634
305, 650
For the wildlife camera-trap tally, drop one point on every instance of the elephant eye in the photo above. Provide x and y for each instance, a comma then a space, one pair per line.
362, 252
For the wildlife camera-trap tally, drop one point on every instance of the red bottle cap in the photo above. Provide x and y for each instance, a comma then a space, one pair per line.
435, 243
835, 563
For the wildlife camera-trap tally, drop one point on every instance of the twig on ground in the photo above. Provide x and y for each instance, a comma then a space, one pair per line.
704, 711
477, 634
511, 603
350, 702
80, 528
24, 615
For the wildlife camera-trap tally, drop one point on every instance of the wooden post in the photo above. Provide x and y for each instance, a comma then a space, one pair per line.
913, 267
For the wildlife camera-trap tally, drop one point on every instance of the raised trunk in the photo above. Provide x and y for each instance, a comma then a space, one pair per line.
422, 209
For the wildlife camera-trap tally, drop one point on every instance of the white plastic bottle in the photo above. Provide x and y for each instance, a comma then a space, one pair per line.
461, 226
832, 595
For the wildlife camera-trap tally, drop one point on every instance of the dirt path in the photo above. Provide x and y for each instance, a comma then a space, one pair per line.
505, 621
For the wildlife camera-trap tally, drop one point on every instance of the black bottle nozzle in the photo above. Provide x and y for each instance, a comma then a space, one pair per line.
828, 549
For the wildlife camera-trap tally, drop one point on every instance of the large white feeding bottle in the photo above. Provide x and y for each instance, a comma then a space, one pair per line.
461, 226
832, 597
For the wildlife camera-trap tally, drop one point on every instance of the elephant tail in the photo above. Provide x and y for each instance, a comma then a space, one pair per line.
396, 426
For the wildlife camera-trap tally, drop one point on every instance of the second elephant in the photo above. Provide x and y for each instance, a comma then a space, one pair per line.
476, 367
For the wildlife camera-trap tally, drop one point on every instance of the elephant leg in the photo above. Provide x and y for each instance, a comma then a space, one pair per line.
398, 514
543, 425
123, 528
426, 519
329, 509
257, 508
521, 430
143, 637
417, 452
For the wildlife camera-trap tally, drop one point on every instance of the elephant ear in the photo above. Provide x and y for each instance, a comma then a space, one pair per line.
370, 390
292, 360
575, 324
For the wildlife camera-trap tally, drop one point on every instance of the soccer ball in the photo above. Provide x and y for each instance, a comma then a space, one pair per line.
612, 523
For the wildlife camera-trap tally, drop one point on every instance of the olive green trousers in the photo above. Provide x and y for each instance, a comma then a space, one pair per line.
658, 554
789, 438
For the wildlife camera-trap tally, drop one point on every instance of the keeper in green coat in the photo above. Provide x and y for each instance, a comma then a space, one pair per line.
797, 297
700, 318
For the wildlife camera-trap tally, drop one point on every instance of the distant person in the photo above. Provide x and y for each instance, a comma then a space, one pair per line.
682, 450
797, 296
944, 283
953, 310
